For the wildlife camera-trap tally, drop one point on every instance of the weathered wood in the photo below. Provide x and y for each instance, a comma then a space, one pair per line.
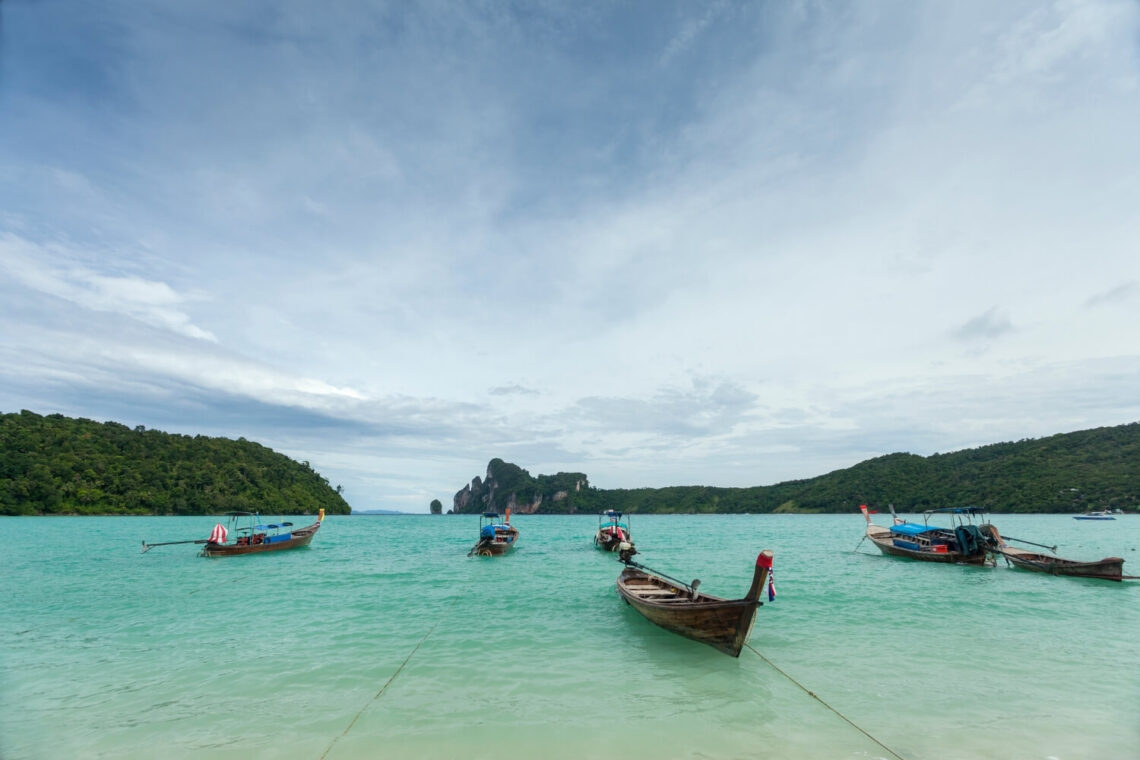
611, 532
724, 624
503, 543
1109, 568
495, 537
885, 540
300, 537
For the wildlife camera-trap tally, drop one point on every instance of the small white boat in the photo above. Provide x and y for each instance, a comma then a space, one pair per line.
1103, 514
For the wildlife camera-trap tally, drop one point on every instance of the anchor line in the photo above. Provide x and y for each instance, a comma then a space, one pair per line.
817, 698
387, 683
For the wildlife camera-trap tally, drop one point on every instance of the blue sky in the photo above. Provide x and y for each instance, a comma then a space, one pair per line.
661, 243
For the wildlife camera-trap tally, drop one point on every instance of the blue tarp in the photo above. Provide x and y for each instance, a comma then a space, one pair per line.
910, 529
487, 531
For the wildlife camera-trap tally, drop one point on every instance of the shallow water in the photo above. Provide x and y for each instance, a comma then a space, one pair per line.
383, 640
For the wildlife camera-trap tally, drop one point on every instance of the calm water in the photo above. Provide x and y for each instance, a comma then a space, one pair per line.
383, 640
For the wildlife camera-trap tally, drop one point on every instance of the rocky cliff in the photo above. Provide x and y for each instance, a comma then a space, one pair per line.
507, 485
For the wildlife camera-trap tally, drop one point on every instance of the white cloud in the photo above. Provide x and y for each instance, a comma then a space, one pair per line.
724, 244
55, 271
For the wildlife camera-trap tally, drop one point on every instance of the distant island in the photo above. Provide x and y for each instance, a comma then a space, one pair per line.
1069, 472
56, 465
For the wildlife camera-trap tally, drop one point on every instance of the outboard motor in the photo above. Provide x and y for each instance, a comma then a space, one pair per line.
626, 551
969, 539
993, 539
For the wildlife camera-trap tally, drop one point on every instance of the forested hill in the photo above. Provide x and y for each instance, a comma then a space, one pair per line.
60, 465
1070, 472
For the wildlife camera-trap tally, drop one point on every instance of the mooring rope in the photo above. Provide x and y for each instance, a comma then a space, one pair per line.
387, 683
816, 697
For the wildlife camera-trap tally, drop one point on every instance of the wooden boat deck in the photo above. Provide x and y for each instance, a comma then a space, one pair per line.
724, 624
1108, 568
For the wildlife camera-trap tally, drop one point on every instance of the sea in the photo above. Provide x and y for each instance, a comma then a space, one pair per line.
383, 639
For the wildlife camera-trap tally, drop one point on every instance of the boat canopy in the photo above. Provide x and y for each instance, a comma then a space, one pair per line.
911, 529
490, 515
956, 511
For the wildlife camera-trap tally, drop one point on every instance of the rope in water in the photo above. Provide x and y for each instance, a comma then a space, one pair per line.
384, 687
816, 697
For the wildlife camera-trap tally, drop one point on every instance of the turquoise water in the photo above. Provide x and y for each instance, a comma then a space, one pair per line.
383, 640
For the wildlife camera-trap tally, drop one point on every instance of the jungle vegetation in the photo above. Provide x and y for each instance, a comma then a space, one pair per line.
1069, 472
59, 465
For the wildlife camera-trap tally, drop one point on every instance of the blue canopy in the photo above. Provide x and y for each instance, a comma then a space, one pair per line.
957, 511
910, 529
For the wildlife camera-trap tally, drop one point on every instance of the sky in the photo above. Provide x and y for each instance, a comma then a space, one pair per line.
660, 243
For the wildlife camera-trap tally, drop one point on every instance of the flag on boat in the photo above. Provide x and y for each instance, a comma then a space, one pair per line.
771, 586
218, 535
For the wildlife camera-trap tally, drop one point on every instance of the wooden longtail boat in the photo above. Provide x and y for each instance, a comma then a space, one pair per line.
611, 531
253, 537
250, 536
495, 537
961, 543
1109, 568
723, 624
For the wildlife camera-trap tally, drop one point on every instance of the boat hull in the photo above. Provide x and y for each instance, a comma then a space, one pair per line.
299, 538
1109, 568
503, 543
723, 624
882, 538
607, 542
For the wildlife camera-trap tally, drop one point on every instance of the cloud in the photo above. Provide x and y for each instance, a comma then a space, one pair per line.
1120, 294
689, 30
55, 271
992, 324
513, 390
730, 244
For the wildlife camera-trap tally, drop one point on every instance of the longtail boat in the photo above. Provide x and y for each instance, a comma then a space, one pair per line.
723, 624
611, 531
495, 536
250, 536
962, 542
1109, 568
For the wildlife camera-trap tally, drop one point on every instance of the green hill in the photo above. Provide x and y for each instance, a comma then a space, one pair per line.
1062, 473
60, 465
